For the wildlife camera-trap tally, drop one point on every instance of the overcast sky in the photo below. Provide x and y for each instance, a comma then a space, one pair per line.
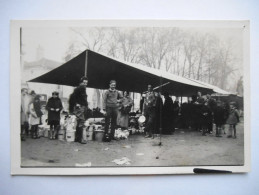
55, 41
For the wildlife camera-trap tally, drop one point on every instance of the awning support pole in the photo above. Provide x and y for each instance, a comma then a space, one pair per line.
161, 107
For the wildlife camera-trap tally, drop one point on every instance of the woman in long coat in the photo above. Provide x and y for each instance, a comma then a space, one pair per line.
123, 114
54, 107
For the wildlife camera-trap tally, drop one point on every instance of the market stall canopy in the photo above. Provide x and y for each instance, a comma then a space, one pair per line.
213, 87
100, 69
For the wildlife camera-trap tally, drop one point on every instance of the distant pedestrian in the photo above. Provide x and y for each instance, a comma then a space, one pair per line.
232, 120
54, 107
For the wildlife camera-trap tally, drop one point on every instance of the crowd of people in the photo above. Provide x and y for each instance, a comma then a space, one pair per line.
161, 116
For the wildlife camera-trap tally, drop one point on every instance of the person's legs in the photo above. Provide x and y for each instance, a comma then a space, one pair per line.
220, 130
26, 128
22, 133
234, 128
80, 130
33, 130
50, 131
150, 122
56, 129
217, 130
230, 131
210, 126
204, 129
107, 120
223, 128
36, 131
146, 123
114, 115
55, 132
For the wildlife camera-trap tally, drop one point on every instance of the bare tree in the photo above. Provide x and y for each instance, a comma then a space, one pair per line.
190, 53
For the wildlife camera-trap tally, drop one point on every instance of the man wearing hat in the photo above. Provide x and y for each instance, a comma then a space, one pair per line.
111, 100
54, 107
78, 106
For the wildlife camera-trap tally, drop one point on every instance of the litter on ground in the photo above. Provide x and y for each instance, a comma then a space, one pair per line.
122, 161
126, 146
89, 164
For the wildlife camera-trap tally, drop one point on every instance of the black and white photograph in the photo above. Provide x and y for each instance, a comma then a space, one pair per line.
132, 97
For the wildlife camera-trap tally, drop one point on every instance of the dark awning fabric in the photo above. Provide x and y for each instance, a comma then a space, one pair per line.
131, 77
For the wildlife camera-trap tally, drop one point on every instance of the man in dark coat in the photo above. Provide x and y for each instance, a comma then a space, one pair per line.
186, 111
220, 117
168, 114
176, 115
198, 111
54, 107
158, 118
211, 105
206, 116
78, 106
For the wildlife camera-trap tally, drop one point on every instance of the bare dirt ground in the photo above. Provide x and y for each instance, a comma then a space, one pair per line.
184, 148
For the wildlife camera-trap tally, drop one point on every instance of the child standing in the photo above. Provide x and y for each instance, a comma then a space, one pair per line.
233, 119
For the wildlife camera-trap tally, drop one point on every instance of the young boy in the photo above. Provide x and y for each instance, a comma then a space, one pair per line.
233, 119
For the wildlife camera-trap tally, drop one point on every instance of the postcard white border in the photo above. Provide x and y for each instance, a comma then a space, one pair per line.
15, 79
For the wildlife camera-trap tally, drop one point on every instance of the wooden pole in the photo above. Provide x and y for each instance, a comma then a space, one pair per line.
161, 107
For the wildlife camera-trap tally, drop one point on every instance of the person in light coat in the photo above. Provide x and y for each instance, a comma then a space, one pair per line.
35, 116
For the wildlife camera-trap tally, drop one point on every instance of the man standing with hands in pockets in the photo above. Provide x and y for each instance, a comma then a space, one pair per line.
111, 100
